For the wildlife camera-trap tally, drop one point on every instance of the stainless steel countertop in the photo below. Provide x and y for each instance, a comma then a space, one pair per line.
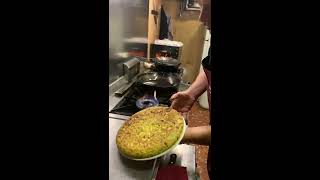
121, 168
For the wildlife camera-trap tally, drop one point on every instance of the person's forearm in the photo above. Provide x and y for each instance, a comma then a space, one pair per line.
199, 86
198, 135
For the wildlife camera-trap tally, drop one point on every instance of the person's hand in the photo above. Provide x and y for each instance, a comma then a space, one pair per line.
182, 101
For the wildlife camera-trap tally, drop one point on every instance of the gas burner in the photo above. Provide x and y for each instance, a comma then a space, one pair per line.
130, 102
146, 102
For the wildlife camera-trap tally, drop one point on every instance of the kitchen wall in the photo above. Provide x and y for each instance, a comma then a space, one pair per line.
190, 31
127, 19
132, 18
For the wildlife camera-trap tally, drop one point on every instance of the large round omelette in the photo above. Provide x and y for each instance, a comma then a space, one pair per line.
150, 132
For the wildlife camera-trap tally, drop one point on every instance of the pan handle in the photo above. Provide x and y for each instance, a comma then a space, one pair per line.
173, 158
143, 59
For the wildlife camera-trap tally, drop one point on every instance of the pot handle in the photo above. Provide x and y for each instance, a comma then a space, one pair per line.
173, 158
143, 59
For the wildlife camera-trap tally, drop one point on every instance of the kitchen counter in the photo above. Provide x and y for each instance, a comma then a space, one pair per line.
122, 168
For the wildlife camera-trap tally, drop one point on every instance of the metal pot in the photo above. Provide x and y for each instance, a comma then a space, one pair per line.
159, 79
166, 64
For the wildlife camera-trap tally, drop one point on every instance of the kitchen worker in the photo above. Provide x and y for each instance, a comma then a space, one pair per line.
183, 101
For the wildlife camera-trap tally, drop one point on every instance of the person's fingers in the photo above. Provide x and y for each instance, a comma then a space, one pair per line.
185, 109
177, 106
174, 105
175, 96
179, 103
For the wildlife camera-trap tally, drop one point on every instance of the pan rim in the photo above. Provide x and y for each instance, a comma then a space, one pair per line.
163, 153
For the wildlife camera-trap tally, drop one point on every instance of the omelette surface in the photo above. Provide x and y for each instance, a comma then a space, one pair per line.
150, 132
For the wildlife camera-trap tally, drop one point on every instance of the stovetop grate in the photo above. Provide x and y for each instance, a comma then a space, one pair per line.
127, 106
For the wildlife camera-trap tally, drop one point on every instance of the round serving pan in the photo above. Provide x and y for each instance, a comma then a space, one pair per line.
165, 152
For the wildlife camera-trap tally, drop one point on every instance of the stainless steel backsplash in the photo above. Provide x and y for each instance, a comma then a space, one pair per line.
127, 19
